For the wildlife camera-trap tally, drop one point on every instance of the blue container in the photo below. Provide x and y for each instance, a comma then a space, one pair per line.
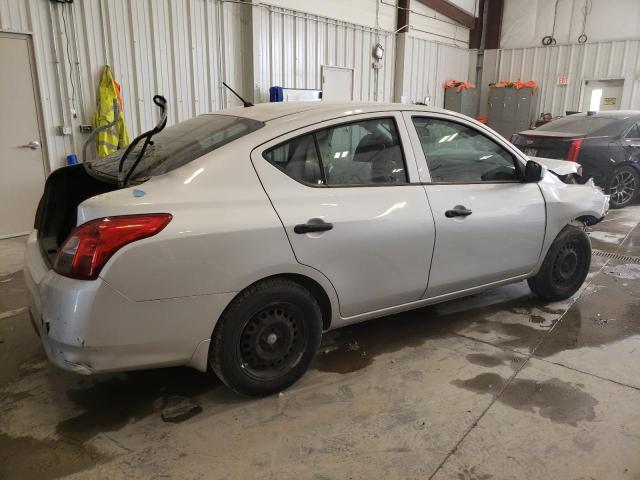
72, 159
276, 94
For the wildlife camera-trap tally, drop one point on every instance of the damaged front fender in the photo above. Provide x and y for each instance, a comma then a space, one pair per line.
569, 203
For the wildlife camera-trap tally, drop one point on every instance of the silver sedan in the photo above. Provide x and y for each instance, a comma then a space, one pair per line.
231, 241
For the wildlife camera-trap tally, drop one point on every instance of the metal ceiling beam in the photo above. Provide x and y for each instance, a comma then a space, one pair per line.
494, 24
403, 16
452, 11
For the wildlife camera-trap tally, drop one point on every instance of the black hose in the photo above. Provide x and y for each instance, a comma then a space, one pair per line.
161, 102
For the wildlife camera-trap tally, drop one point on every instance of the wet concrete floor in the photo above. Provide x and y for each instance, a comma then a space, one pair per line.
499, 385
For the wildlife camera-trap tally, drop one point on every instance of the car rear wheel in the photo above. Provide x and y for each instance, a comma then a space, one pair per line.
267, 337
565, 267
623, 186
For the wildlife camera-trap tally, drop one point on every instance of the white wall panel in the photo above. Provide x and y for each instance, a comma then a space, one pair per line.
428, 65
183, 49
292, 47
525, 22
591, 61
158, 46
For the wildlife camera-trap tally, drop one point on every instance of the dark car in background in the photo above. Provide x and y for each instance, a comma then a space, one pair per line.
606, 145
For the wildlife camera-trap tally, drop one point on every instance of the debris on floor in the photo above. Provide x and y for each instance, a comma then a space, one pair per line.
178, 409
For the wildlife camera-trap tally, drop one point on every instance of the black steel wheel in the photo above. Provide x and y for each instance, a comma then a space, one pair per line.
273, 340
566, 263
623, 186
565, 266
267, 337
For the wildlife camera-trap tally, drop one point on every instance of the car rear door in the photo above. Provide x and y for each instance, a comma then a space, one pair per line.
489, 226
344, 193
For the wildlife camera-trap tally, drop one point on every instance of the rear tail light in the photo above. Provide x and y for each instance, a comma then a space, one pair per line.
574, 150
90, 245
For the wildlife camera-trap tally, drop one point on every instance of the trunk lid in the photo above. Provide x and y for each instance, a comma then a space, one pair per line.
546, 144
57, 212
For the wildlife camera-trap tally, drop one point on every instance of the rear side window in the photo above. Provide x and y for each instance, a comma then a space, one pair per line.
298, 158
177, 145
358, 153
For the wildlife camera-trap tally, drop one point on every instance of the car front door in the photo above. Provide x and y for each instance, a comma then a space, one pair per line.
631, 144
489, 225
343, 192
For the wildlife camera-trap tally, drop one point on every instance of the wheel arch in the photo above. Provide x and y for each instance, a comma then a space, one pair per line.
328, 308
313, 286
624, 163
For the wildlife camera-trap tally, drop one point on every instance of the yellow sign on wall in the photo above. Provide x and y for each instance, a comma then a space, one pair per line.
609, 100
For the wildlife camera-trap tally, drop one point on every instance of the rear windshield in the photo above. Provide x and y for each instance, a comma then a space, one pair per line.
176, 146
584, 125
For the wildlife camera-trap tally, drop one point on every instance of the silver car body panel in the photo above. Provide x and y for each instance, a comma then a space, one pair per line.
379, 251
157, 301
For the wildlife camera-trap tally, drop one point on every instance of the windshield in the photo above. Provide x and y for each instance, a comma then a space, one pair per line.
584, 125
176, 146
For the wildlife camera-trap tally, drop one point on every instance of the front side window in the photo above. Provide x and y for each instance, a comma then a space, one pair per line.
456, 153
358, 153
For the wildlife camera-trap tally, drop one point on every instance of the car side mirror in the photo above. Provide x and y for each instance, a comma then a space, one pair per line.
532, 172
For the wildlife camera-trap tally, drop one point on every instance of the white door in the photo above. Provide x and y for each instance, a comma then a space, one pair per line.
602, 95
489, 226
337, 84
342, 190
21, 155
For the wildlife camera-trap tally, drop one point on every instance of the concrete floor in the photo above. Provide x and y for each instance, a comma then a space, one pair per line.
496, 386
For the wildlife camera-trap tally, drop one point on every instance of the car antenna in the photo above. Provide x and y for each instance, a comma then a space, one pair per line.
246, 104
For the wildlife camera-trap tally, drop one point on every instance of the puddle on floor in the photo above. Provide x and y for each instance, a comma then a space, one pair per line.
606, 314
111, 404
496, 360
27, 458
627, 271
560, 402
607, 237
355, 347
13, 293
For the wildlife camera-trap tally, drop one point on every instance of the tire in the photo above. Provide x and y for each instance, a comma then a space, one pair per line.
266, 338
623, 186
565, 267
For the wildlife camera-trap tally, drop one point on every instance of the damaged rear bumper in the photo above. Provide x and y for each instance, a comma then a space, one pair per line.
87, 326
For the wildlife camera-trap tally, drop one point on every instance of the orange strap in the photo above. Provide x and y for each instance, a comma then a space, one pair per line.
458, 85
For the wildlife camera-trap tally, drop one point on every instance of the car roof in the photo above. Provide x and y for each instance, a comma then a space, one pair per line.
266, 112
618, 114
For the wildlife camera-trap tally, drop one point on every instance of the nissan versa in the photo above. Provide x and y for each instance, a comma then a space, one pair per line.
233, 240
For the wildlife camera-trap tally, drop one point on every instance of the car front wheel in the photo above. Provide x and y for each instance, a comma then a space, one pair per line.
623, 186
565, 267
267, 337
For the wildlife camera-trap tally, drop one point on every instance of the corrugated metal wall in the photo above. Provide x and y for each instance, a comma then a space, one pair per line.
428, 65
171, 47
612, 60
293, 46
183, 49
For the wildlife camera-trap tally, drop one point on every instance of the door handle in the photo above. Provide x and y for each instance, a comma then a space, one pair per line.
33, 145
313, 225
458, 211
